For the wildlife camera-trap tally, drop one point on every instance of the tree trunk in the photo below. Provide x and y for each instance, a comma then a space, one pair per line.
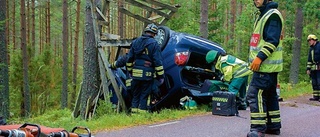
295, 62
14, 24
233, 18
76, 50
33, 26
26, 90
204, 18
8, 28
28, 22
65, 36
4, 70
48, 23
90, 63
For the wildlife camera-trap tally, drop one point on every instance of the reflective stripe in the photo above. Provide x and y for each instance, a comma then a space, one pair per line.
274, 113
128, 82
260, 101
259, 48
258, 122
219, 99
137, 73
275, 120
258, 115
243, 72
159, 70
129, 66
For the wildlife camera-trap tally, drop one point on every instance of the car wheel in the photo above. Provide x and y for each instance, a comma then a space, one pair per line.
163, 36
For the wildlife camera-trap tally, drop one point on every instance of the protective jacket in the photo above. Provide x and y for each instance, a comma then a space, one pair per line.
232, 67
265, 41
144, 58
121, 62
314, 57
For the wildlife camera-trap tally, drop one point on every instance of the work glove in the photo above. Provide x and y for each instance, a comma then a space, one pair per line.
112, 66
255, 65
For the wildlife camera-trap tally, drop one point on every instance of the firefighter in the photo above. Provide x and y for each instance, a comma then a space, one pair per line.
313, 65
144, 61
235, 71
121, 62
266, 61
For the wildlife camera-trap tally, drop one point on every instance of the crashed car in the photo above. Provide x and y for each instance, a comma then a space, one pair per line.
184, 65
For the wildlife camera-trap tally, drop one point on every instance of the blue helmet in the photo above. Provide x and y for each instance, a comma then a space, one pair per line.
151, 28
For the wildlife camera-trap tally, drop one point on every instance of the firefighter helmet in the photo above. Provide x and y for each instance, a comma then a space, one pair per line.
151, 28
312, 37
211, 56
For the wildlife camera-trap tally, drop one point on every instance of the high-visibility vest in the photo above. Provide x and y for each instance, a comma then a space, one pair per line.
274, 62
238, 67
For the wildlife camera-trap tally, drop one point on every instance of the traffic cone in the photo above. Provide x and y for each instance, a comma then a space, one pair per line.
278, 92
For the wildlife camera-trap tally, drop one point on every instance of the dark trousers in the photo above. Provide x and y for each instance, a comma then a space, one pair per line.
141, 90
239, 87
263, 102
315, 76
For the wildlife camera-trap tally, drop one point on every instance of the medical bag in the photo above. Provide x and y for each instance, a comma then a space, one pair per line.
224, 103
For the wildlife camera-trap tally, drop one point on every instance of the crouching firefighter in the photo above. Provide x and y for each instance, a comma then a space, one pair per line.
235, 72
144, 61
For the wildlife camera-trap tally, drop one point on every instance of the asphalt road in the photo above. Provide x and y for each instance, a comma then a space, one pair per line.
299, 119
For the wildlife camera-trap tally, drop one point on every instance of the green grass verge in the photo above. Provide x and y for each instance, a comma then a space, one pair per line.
289, 91
113, 121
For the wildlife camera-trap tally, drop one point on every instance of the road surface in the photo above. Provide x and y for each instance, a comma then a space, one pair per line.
300, 118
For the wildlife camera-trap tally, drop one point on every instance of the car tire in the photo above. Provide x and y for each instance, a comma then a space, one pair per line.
163, 36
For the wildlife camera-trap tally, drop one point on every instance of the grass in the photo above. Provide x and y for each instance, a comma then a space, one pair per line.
113, 121
289, 91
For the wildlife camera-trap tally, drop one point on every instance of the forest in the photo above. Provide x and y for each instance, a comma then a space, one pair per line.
43, 47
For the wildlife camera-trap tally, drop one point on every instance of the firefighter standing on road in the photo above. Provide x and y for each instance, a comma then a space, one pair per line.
266, 62
235, 71
313, 65
144, 59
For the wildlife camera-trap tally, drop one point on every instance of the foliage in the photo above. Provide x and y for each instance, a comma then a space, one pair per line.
45, 82
289, 91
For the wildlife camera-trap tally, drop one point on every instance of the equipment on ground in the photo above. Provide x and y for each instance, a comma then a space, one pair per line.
33, 130
224, 104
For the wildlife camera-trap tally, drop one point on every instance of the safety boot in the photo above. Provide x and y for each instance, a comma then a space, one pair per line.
255, 134
314, 99
242, 107
273, 131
